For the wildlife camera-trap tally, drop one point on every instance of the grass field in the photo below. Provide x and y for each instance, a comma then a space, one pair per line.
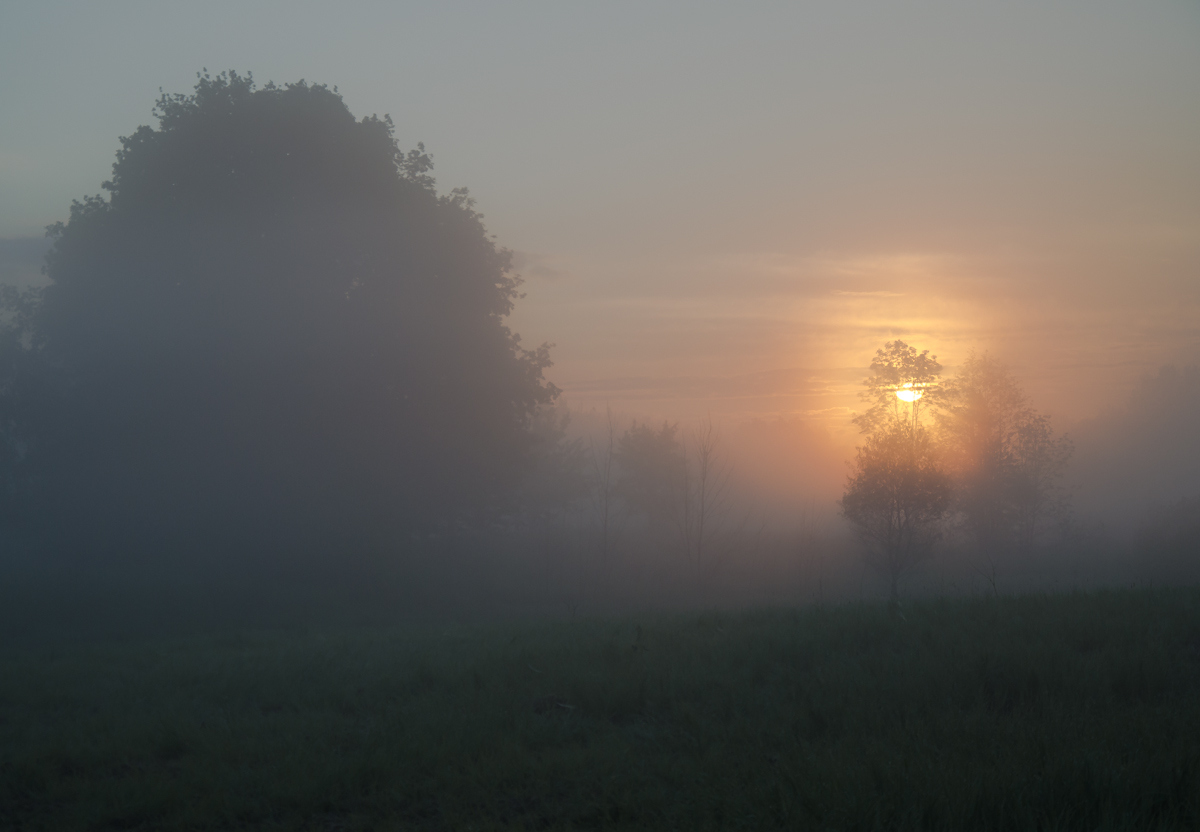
1053, 712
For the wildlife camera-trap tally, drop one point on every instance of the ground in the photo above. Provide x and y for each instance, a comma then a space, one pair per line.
1044, 712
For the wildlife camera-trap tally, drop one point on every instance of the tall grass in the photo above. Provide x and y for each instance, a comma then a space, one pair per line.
1043, 712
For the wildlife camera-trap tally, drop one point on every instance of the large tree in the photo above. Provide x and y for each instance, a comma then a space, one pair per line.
275, 329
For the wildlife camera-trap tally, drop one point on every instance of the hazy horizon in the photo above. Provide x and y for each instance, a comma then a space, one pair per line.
295, 533
724, 212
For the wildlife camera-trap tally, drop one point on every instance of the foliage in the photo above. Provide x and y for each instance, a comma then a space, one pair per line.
1005, 459
897, 494
896, 498
995, 461
275, 333
896, 366
1069, 712
652, 471
556, 481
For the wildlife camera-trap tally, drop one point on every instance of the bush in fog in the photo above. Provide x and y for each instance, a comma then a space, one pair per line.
556, 482
274, 330
1169, 541
1142, 454
651, 471
1006, 462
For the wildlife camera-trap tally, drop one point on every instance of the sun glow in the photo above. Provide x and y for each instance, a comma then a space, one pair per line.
909, 393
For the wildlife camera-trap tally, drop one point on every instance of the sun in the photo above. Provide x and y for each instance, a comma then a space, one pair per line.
909, 393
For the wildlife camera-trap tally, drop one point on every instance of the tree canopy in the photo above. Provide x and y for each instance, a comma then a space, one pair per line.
274, 327
1005, 459
896, 498
898, 367
993, 464
653, 469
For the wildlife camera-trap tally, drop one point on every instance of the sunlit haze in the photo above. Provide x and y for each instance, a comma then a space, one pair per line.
724, 210
610, 415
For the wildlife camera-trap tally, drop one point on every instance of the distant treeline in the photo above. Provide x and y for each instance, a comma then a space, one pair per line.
274, 346
274, 341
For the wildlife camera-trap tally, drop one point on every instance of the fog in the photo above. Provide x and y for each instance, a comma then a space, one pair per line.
285, 368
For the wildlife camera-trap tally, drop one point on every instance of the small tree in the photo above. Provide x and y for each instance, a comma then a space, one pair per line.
653, 469
556, 481
604, 463
1005, 461
896, 499
897, 495
703, 503
903, 383
1041, 461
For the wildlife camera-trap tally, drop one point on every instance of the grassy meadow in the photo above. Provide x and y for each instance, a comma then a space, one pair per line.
1043, 712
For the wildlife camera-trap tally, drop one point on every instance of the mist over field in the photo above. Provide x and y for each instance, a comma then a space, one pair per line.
591, 523
580, 417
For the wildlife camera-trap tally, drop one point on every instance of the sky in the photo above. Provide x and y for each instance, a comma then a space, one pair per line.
726, 208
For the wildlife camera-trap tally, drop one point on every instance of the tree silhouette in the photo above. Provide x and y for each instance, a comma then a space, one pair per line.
653, 471
899, 368
897, 495
1006, 462
704, 500
275, 329
604, 480
896, 499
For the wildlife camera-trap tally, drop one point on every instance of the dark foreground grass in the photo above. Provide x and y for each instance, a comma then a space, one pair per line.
1069, 712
